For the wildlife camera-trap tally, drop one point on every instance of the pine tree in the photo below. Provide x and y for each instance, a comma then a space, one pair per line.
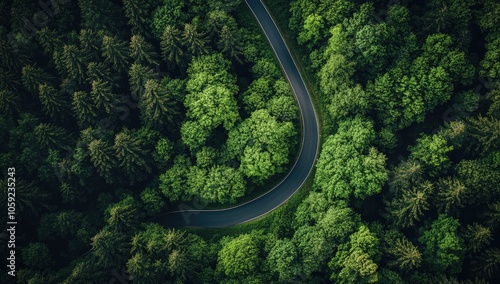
143, 52
493, 214
484, 133
109, 248
194, 40
12, 57
137, 13
131, 156
487, 263
103, 97
74, 62
116, 52
406, 255
405, 175
138, 76
90, 43
53, 101
452, 194
229, 42
84, 108
477, 237
10, 103
33, 77
101, 71
50, 136
404, 210
49, 40
171, 46
157, 108
102, 158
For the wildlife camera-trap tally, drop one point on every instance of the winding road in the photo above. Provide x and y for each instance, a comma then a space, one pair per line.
299, 172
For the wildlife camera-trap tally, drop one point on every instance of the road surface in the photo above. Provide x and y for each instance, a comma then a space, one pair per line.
297, 175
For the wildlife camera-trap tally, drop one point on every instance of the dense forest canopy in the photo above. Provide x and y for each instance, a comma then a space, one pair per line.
113, 112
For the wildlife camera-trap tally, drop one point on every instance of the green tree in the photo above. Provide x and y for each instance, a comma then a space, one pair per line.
406, 174
443, 247
101, 71
356, 261
33, 76
262, 144
452, 195
484, 133
90, 43
137, 13
101, 155
131, 156
348, 102
313, 249
156, 106
194, 41
138, 76
171, 46
116, 52
50, 136
53, 101
109, 249
230, 42
239, 256
84, 108
405, 255
143, 52
410, 206
220, 184
493, 214
487, 263
152, 200
49, 40
283, 259
432, 151
338, 223
10, 103
366, 172
173, 181
477, 237
103, 97
124, 216
37, 256
74, 62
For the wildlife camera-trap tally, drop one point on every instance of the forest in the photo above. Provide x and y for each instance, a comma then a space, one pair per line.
113, 112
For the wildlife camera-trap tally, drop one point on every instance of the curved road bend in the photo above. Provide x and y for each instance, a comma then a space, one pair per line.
302, 167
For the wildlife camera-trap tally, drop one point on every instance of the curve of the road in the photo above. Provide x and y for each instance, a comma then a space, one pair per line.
299, 172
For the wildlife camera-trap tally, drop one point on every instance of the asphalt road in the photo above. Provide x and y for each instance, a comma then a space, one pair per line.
298, 174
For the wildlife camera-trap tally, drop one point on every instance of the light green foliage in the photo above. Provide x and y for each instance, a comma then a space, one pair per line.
443, 247
262, 145
84, 108
212, 107
432, 151
49, 135
312, 209
103, 97
138, 15
313, 26
484, 133
159, 254
194, 40
284, 260
313, 249
53, 101
238, 257
481, 177
348, 102
32, 77
347, 167
356, 260
338, 223
335, 75
163, 152
173, 181
218, 184
171, 46
152, 200
74, 62
90, 43
138, 76
170, 13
